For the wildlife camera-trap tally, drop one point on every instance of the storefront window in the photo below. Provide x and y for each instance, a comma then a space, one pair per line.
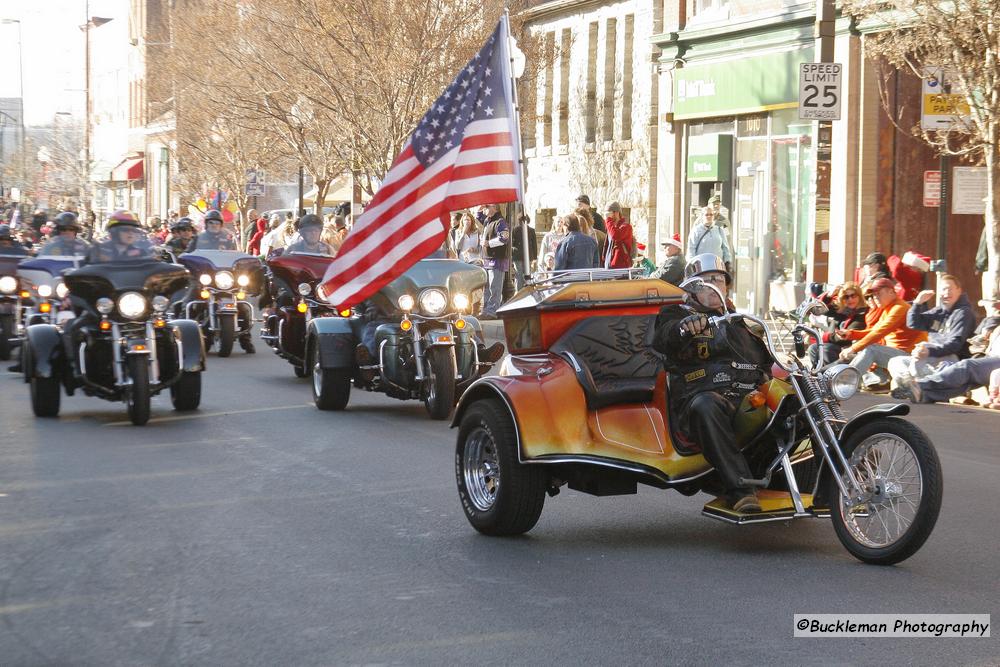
787, 238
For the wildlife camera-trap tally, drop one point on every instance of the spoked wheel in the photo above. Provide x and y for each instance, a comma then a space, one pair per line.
7, 328
899, 471
137, 394
331, 386
186, 393
227, 334
440, 392
499, 494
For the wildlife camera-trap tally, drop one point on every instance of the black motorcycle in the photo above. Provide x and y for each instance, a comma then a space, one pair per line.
218, 303
11, 294
121, 346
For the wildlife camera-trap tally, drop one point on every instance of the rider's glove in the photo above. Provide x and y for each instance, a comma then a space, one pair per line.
692, 325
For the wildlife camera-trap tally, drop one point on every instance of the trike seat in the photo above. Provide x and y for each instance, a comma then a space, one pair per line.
613, 358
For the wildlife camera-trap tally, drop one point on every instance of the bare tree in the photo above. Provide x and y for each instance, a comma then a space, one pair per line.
961, 37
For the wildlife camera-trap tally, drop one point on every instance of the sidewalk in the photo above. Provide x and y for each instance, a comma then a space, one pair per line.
492, 331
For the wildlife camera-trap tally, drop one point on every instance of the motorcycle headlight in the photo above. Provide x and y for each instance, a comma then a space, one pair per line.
461, 301
224, 280
305, 289
8, 284
243, 280
62, 290
433, 302
405, 303
205, 279
843, 381
160, 303
105, 305
44, 291
131, 304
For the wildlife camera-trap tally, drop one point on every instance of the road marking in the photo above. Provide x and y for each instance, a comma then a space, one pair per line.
205, 415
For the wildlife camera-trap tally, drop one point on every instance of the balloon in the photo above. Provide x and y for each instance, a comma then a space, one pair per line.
227, 215
202, 205
232, 207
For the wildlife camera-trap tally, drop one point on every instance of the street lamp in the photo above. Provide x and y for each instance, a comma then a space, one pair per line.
20, 81
92, 22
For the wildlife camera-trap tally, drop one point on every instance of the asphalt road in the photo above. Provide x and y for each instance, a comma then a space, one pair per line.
260, 531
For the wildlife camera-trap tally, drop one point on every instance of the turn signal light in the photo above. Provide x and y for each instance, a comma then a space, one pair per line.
345, 313
25, 294
45, 307
756, 399
105, 325
159, 324
140, 347
444, 339
204, 294
406, 325
302, 307
241, 295
459, 324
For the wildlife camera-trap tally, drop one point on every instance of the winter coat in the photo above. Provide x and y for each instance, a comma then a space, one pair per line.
672, 270
890, 329
577, 251
254, 247
621, 244
709, 239
950, 328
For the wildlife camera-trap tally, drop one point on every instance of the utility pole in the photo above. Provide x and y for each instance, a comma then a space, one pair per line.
92, 22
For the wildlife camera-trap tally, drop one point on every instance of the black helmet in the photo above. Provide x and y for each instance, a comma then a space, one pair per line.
5, 232
66, 221
213, 216
183, 223
123, 218
309, 220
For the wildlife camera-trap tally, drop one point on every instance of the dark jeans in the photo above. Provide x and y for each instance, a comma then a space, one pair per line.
710, 422
830, 353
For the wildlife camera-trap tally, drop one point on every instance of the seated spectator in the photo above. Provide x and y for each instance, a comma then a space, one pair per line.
950, 324
994, 402
981, 336
846, 306
672, 268
890, 337
958, 378
872, 268
577, 250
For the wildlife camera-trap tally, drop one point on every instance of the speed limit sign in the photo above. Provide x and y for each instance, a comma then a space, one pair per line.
820, 86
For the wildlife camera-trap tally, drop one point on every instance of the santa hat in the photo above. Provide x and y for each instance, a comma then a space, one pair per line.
641, 247
674, 240
915, 261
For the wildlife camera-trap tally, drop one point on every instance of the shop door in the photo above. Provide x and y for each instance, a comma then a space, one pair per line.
750, 204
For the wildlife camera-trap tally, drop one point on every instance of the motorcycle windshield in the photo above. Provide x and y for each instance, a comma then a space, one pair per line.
215, 259
452, 275
54, 265
93, 281
124, 244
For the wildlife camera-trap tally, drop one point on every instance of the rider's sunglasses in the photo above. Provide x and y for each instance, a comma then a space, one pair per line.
852, 295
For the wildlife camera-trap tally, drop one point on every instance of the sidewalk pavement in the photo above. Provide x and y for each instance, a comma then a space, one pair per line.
492, 331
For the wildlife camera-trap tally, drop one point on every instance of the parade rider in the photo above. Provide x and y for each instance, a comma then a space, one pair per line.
213, 238
123, 244
711, 368
182, 236
9, 245
310, 229
66, 243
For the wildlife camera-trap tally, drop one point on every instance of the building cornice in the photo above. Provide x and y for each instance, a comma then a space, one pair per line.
554, 7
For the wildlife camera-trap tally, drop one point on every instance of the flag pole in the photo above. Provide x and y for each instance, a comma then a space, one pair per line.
519, 207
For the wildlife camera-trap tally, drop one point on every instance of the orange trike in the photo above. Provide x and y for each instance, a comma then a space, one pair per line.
581, 401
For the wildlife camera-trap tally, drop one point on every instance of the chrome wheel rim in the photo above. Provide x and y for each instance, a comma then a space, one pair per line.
317, 379
889, 472
431, 384
480, 469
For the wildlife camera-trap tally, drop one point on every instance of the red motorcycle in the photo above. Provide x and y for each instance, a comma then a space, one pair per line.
293, 278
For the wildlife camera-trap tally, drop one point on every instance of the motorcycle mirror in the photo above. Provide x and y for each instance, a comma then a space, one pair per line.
816, 288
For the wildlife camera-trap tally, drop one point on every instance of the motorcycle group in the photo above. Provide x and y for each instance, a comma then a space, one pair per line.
608, 379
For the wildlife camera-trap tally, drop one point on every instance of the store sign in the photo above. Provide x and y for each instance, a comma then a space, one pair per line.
255, 183
968, 191
932, 189
710, 158
745, 85
941, 106
820, 88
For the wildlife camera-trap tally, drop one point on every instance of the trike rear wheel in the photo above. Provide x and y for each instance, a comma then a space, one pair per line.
499, 494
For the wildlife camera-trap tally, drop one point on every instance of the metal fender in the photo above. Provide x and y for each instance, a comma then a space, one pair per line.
439, 338
853, 424
46, 346
192, 344
485, 388
472, 324
333, 340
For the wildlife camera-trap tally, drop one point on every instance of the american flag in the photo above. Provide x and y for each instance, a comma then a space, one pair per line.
463, 152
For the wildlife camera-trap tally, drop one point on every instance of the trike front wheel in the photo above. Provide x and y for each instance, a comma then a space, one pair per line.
899, 471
